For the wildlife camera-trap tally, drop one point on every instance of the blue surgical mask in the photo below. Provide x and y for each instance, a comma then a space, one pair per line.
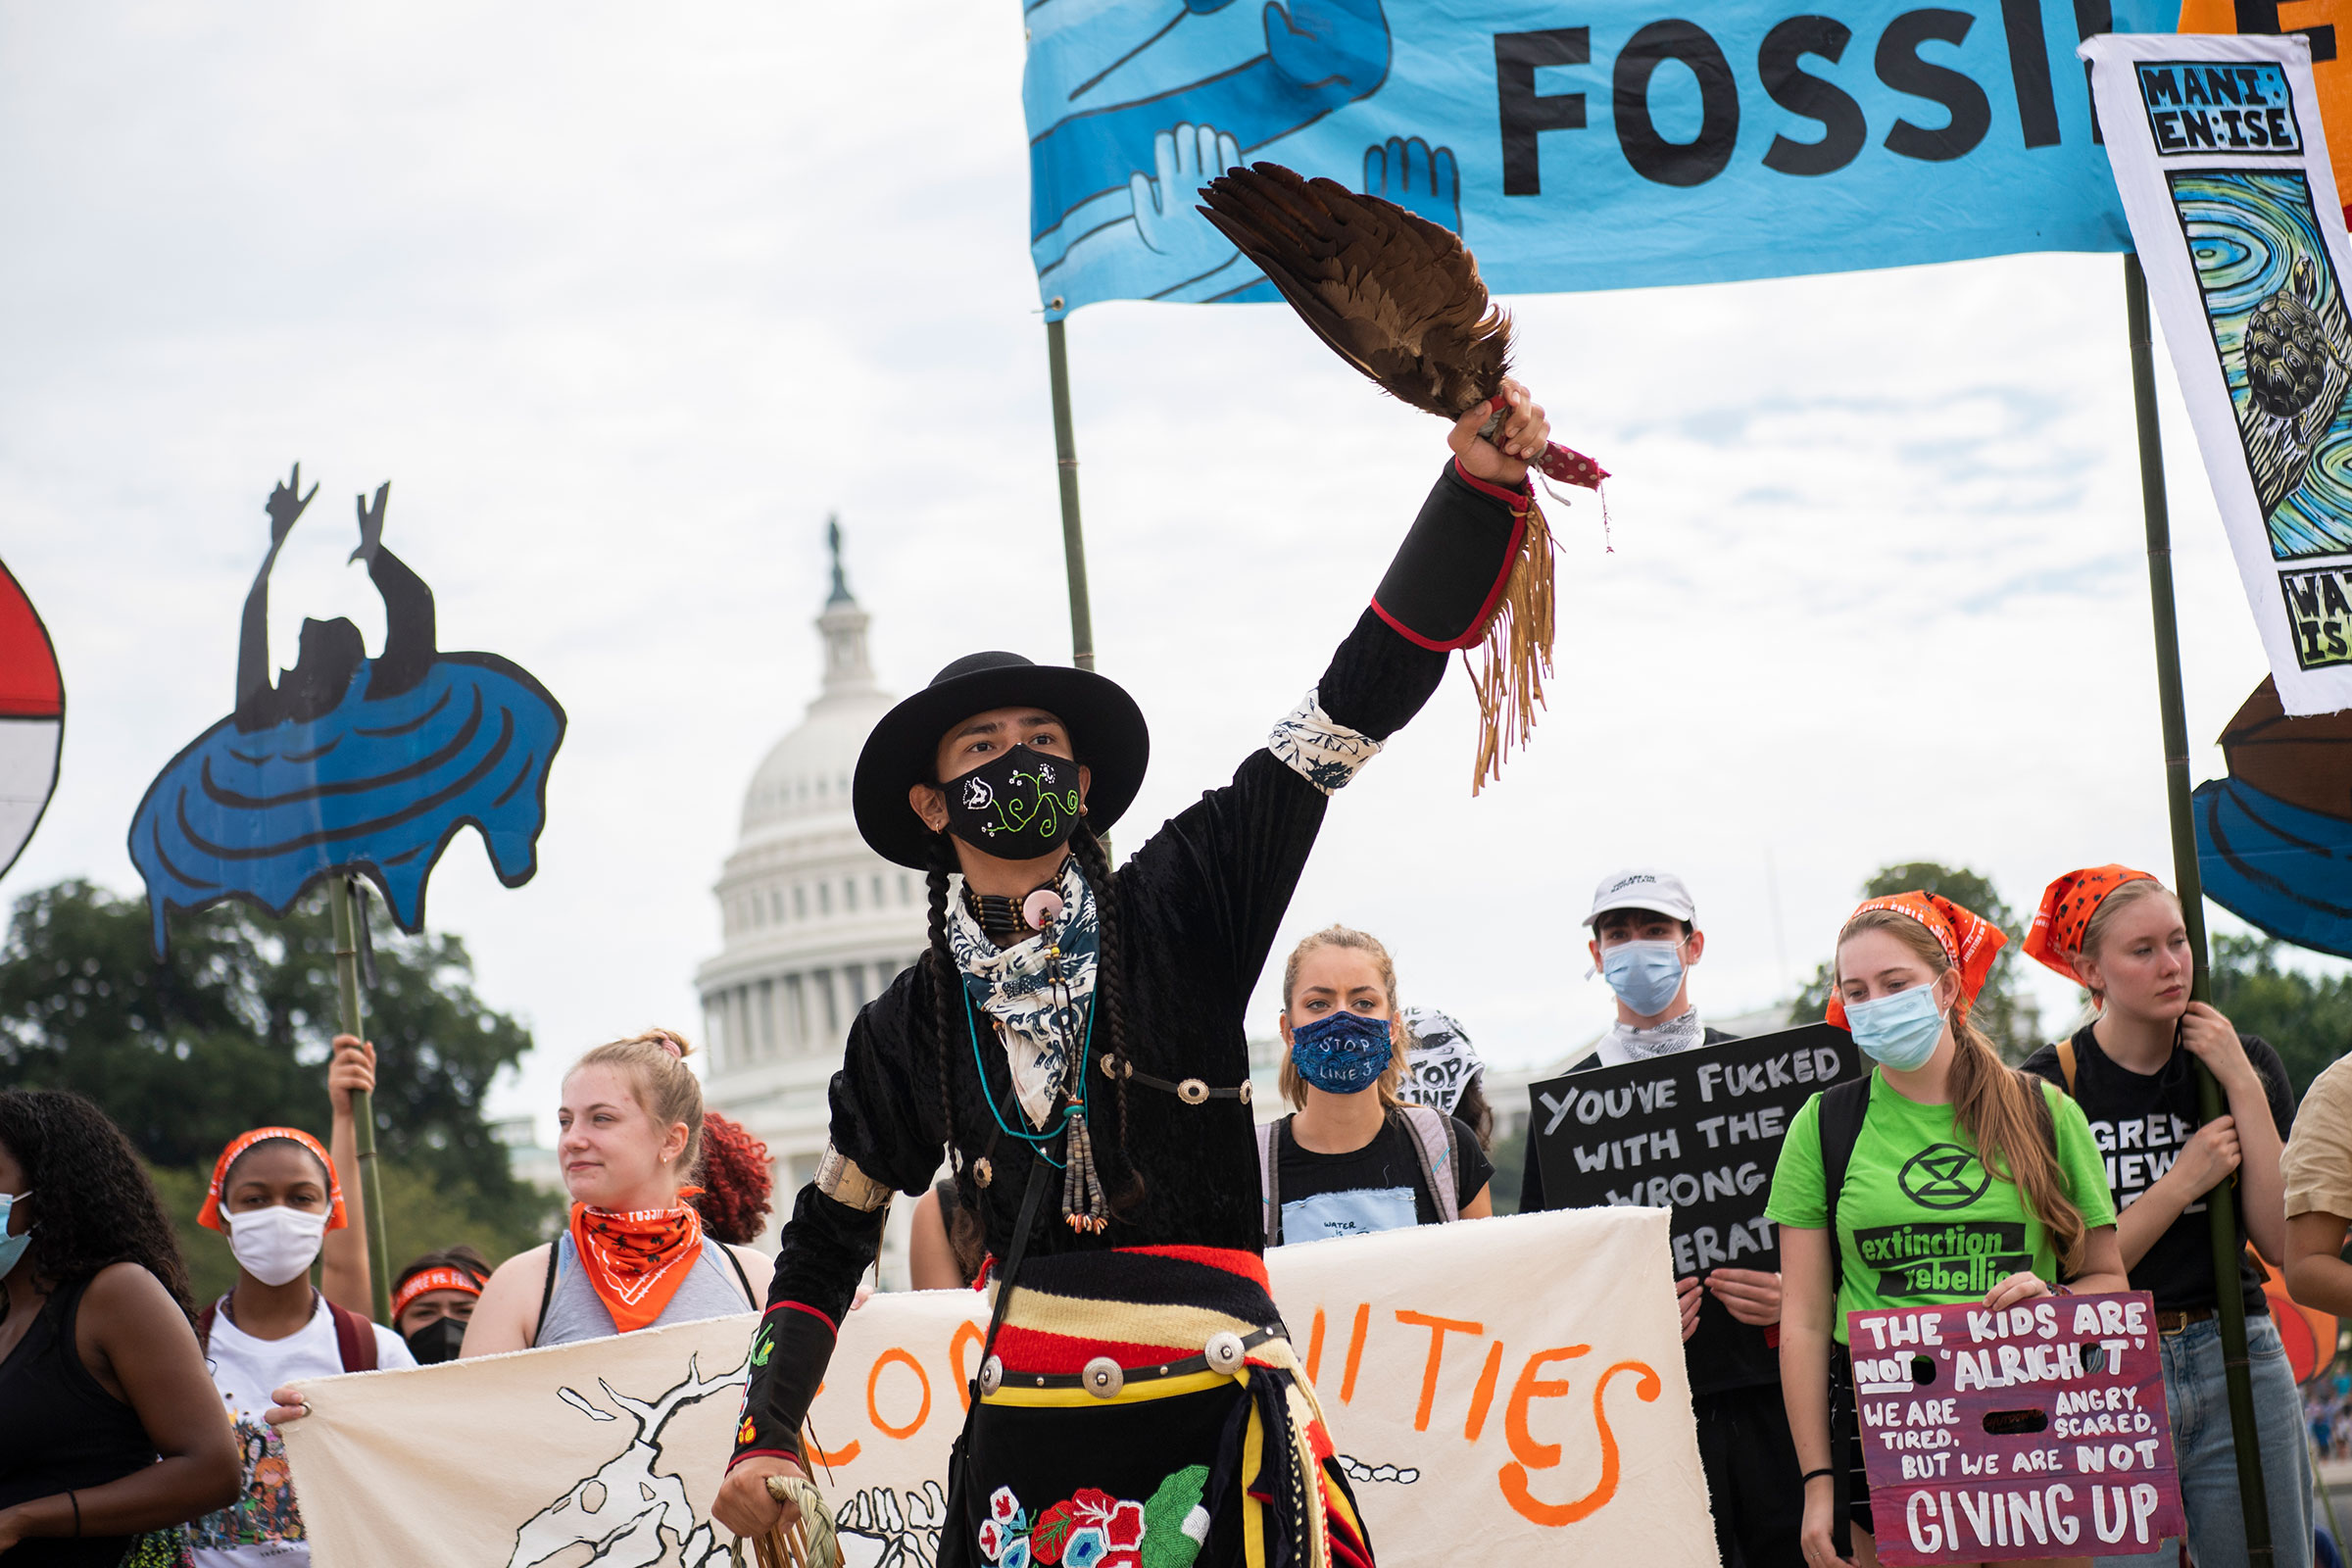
1899, 1031
1646, 975
1342, 1054
12, 1247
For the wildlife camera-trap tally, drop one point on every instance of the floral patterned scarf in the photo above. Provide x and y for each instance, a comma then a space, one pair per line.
636, 1260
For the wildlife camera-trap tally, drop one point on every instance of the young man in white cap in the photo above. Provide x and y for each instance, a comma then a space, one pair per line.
1645, 937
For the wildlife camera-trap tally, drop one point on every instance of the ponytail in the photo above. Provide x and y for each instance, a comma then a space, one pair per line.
1994, 1104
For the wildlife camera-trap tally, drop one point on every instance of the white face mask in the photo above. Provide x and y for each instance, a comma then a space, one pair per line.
276, 1243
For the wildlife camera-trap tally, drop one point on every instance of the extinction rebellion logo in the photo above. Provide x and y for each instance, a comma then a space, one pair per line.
1944, 1176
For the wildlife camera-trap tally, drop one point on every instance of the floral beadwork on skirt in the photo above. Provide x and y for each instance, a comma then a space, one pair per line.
1224, 1469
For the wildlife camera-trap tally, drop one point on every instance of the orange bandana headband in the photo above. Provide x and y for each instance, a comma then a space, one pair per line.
210, 1216
2067, 905
427, 1280
1970, 942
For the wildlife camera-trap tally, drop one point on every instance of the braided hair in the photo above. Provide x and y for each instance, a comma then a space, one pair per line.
946, 989
94, 1204
1111, 995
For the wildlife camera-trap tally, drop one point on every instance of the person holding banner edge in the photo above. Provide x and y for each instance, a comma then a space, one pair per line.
1083, 1030
2118, 934
1889, 1188
1645, 940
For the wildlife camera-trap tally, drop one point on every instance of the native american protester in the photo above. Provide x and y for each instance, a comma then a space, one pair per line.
349, 762
1073, 1036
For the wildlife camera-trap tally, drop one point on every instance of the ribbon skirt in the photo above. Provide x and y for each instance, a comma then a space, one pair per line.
1196, 1469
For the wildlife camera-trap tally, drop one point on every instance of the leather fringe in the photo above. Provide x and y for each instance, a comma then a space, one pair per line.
1517, 653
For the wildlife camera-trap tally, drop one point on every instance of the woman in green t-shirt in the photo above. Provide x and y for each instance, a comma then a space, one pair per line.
1959, 1186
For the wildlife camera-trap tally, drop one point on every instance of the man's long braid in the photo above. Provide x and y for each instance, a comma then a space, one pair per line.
947, 988
1111, 995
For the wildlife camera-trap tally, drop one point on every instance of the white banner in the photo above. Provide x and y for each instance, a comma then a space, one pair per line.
1507, 1388
2217, 150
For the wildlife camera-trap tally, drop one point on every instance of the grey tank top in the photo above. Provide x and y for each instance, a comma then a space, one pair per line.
576, 1312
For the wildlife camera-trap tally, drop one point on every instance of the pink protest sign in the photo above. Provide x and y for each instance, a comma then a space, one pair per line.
2037, 1431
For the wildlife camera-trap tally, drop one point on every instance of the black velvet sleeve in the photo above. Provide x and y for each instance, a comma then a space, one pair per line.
879, 1125
1436, 596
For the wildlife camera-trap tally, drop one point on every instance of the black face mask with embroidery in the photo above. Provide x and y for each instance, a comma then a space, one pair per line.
1016, 806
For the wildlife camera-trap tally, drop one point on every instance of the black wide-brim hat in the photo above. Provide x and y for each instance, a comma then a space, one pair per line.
1107, 734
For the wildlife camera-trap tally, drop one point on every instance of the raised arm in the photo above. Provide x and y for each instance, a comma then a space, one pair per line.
1247, 844
254, 711
410, 635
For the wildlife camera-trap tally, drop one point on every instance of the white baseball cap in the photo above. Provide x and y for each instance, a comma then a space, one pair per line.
1642, 888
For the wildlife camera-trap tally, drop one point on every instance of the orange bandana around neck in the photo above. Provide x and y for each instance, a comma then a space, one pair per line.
636, 1261
1970, 942
2067, 905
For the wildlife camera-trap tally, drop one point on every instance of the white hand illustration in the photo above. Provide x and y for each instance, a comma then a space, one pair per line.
1188, 158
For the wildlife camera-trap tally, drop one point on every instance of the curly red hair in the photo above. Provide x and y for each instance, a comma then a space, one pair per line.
735, 1182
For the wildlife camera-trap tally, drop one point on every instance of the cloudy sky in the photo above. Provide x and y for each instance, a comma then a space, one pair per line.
627, 300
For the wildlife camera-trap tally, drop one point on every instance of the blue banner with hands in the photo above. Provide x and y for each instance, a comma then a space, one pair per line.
1573, 144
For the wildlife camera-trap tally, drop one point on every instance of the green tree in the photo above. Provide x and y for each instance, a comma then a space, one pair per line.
2009, 1018
231, 1030
2306, 1020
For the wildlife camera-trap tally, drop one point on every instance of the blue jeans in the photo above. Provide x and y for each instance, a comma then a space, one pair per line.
2198, 1400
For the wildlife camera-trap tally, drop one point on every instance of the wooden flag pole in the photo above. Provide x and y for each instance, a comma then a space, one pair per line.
363, 1103
1065, 463
2228, 1302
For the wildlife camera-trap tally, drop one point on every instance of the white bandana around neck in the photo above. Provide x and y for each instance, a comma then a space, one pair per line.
1012, 985
1624, 1043
1441, 1063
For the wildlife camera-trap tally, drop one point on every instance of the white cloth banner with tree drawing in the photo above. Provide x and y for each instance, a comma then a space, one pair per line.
1513, 1386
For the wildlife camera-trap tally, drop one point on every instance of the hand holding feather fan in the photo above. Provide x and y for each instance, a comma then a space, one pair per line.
1401, 299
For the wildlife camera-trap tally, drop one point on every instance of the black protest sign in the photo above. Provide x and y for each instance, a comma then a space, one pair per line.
1698, 1131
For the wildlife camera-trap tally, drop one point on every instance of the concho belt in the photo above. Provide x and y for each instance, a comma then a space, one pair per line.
1103, 1377
1191, 1091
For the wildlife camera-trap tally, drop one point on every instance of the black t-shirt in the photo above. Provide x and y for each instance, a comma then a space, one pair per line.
1722, 1353
2141, 1121
1376, 1187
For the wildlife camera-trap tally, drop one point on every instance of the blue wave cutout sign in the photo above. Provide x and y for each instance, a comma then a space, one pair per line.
346, 763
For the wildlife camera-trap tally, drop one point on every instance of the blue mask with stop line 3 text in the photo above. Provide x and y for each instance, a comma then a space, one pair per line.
1342, 1055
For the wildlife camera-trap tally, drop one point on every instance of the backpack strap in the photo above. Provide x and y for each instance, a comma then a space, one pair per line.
2066, 1064
355, 1339
1432, 1141
1843, 1111
546, 1292
1269, 1183
741, 1278
203, 1327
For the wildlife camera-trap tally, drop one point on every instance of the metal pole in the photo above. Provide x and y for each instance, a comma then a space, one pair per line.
1065, 462
2229, 1301
363, 1104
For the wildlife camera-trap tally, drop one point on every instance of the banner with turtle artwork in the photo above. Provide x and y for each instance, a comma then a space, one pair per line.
1572, 147
2223, 164
1504, 1390
349, 762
